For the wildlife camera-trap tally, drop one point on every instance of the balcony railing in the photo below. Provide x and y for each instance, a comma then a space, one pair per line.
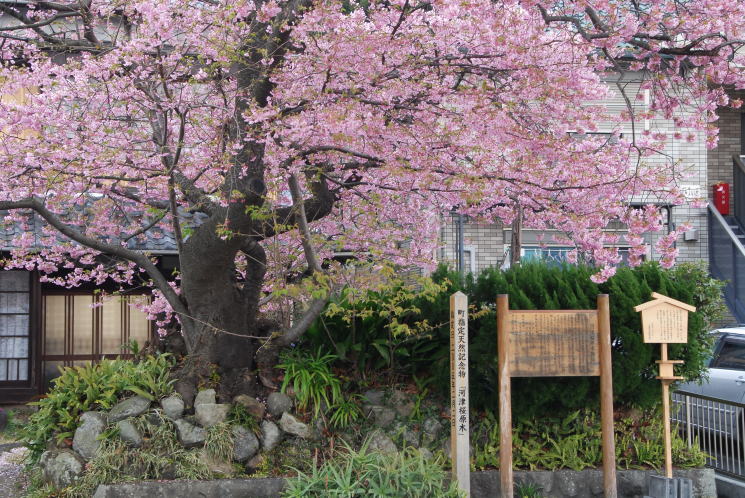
716, 426
727, 261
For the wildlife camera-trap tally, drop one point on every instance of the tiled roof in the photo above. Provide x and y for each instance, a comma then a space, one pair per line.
154, 240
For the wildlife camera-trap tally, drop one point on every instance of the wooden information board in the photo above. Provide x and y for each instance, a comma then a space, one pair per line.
555, 344
665, 321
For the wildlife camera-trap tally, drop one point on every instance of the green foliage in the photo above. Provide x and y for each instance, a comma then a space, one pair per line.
374, 474
388, 328
311, 378
13, 427
93, 387
574, 442
527, 490
345, 412
161, 457
219, 441
239, 415
362, 334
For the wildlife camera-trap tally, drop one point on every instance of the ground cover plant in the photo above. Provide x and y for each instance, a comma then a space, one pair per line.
370, 473
574, 442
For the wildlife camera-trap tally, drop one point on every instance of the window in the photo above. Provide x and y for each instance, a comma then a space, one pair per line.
80, 328
731, 356
15, 307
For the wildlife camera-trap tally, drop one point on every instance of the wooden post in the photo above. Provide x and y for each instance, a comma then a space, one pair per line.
606, 398
666, 415
459, 413
505, 405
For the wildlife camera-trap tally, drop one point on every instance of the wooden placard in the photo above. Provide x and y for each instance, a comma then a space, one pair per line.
459, 403
664, 320
554, 343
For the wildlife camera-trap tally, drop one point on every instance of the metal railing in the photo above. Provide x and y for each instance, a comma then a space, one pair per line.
716, 425
738, 189
727, 261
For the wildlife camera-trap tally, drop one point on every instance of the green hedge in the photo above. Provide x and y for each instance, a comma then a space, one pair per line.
360, 338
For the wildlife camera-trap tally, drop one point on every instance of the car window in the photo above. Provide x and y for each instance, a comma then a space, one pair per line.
731, 356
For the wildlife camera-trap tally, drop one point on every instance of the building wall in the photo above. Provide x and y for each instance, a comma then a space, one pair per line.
484, 244
488, 242
720, 158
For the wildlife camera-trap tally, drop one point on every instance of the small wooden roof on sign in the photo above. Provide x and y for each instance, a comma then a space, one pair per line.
659, 299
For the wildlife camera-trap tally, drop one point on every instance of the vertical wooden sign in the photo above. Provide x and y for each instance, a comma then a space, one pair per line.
665, 321
459, 421
552, 344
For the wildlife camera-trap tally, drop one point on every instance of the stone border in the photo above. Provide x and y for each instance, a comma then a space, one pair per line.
559, 484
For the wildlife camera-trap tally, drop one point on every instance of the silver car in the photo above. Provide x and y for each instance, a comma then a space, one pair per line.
716, 405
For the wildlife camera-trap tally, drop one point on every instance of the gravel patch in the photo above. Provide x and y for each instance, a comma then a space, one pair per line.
11, 467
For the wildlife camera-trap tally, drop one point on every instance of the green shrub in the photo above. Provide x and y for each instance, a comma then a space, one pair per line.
374, 474
93, 387
358, 337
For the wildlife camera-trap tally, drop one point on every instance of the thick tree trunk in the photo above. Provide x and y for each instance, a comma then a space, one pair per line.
224, 312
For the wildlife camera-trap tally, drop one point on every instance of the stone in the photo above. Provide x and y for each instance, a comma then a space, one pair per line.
402, 403
222, 488
85, 441
256, 463
373, 397
189, 435
224, 468
270, 435
61, 468
209, 414
252, 405
130, 407
431, 430
409, 436
567, 483
129, 433
206, 396
293, 426
426, 453
382, 416
278, 403
173, 407
245, 444
380, 442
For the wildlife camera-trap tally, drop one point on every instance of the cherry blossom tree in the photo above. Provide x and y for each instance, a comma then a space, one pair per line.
268, 135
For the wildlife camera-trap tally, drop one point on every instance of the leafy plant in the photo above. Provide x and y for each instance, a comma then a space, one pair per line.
92, 387
311, 378
574, 442
527, 490
364, 473
239, 415
345, 412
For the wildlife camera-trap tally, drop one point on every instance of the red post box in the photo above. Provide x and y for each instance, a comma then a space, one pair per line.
721, 198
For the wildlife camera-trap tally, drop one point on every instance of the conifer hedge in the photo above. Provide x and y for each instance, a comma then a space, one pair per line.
539, 286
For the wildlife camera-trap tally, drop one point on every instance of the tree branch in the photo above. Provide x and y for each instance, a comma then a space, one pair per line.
136, 257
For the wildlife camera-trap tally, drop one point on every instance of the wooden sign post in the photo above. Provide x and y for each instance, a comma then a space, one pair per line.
665, 321
553, 344
459, 422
